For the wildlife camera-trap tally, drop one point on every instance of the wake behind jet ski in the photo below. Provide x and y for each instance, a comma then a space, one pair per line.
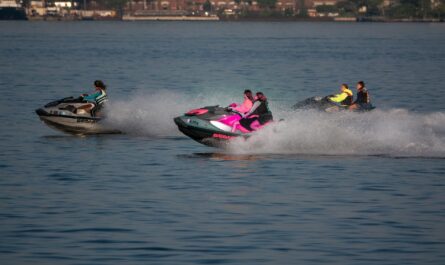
215, 126
78, 115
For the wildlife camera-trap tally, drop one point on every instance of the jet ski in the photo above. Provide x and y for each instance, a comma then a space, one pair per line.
63, 115
326, 105
212, 125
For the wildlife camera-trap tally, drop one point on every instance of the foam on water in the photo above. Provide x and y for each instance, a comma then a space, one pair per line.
394, 132
151, 113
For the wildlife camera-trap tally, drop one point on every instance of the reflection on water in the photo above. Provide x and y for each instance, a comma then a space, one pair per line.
230, 157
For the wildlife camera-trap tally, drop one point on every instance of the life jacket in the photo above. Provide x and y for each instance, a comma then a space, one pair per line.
261, 109
348, 100
363, 96
100, 102
263, 112
102, 98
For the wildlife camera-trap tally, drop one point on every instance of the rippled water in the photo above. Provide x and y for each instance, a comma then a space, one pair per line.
314, 189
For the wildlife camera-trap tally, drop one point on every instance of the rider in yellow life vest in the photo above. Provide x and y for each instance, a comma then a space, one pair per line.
344, 97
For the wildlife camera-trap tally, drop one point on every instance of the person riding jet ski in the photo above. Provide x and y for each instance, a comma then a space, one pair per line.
339, 102
363, 100
216, 126
78, 115
245, 106
345, 96
95, 101
258, 115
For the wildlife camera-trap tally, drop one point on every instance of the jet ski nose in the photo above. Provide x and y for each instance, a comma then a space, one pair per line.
41, 112
179, 121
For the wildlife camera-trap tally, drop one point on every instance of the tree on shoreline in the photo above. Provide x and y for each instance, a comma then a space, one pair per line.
115, 4
439, 10
207, 6
403, 9
327, 9
268, 4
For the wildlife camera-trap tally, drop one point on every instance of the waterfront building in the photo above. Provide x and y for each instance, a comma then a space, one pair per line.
65, 4
284, 5
11, 10
316, 3
226, 7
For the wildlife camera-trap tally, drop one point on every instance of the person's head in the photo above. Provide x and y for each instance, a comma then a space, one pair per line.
248, 94
260, 96
98, 84
343, 87
360, 85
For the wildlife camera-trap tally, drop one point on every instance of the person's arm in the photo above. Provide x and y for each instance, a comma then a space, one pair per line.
245, 107
254, 107
92, 97
339, 97
359, 98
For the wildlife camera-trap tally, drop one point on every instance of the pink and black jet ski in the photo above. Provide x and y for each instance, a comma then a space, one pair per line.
215, 125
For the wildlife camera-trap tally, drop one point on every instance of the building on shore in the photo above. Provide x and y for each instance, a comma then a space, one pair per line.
67, 10
230, 7
11, 10
325, 10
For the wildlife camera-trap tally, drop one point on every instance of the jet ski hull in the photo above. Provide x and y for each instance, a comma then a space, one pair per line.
215, 126
57, 116
204, 132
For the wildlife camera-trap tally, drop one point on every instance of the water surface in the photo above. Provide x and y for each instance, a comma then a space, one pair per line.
314, 189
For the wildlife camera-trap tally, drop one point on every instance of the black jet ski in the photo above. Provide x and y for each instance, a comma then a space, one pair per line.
203, 125
324, 104
63, 115
212, 125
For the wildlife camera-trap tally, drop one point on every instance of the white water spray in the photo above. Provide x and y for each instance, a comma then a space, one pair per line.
151, 114
394, 132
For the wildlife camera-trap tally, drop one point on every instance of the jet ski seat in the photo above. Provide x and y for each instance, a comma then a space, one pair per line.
69, 108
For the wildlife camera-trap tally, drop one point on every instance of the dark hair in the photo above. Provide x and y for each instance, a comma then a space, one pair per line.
248, 94
345, 85
99, 83
261, 96
361, 83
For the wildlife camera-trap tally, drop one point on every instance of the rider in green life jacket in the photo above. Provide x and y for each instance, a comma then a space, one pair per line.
345, 96
95, 100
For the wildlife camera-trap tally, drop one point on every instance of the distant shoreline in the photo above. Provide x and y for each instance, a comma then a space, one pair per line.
335, 19
213, 19
132, 18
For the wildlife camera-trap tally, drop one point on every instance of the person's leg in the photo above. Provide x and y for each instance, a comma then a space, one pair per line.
255, 125
246, 122
353, 107
85, 108
235, 126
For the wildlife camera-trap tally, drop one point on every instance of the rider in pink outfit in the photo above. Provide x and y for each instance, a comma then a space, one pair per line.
258, 116
247, 104
241, 109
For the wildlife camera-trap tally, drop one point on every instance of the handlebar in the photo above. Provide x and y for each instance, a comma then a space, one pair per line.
229, 109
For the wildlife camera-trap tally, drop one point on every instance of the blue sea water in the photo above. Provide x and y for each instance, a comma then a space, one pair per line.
314, 189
